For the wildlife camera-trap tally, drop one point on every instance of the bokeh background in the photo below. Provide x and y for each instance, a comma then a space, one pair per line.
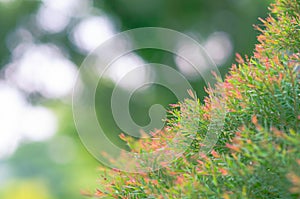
42, 44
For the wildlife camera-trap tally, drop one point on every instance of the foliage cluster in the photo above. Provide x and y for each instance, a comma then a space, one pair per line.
258, 151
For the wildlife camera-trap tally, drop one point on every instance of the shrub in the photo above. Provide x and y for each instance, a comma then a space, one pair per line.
258, 151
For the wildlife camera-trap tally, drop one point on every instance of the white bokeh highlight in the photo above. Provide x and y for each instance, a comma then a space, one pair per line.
43, 69
219, 47
52, 20
21, 121
91, 32
123, 66
54, 15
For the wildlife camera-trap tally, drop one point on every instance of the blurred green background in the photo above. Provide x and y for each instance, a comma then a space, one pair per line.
42, 44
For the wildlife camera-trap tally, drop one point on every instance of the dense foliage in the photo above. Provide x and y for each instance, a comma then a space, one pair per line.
258, 151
